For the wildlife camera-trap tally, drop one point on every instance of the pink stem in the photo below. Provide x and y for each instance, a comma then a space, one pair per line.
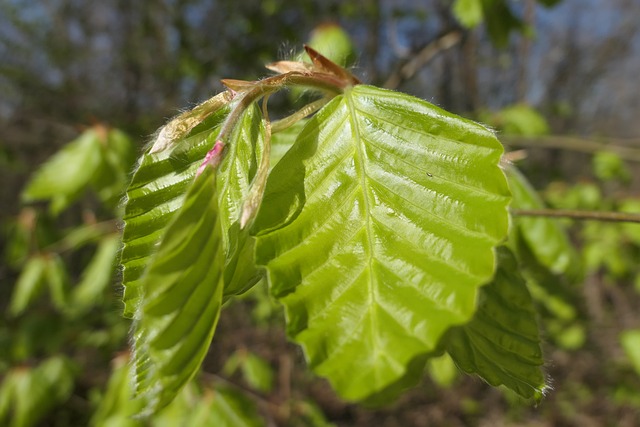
213, 157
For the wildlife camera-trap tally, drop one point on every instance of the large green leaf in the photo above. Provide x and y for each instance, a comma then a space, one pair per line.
502, 343
182, 298
377, 229
155, 193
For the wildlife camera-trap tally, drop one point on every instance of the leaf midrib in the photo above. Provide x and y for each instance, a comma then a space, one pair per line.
359, 163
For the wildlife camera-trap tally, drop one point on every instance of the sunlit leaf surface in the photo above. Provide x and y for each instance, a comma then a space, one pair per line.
377, 228
183, 295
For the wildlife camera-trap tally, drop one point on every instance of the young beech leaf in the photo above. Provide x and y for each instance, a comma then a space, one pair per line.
155, 193
502, 343
182, 297
377, 229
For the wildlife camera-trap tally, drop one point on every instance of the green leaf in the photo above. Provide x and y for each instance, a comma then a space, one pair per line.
544, 237
182, 298
332, 42
155, 193
67, 173
118, 156
229, 408
549, 3
97, 275
468, 12
630, 340
29, 285
502, 343
235, 176
36, 391
158, 187
443, 370
257, 372
282, 141
58, 281
521, 120
115, 407
500, 21
377, 229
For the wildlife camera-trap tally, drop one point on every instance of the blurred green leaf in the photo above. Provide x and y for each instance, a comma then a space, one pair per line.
229, 408
608, 166
58, 281
521, 120
500, 21
443, 370
97, 275
545, 238
35, 391
501, 344
118, 156
549, 3
29, 284
630, 340
333, 42
65, 175
257, 372
116, 406
468, 12
311, 415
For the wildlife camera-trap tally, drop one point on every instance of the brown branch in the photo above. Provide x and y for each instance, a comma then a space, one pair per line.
576, 144
579, 215
422, 57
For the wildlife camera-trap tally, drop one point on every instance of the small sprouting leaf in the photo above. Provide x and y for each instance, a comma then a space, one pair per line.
502, 343
68, 172
29, 285
180, 126
97, 275
182, 297
377, 229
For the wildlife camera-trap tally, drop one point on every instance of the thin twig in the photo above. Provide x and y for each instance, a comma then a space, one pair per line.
580, 215
422, 57
575, 144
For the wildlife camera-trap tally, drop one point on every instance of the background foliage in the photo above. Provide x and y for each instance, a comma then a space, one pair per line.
517, 66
